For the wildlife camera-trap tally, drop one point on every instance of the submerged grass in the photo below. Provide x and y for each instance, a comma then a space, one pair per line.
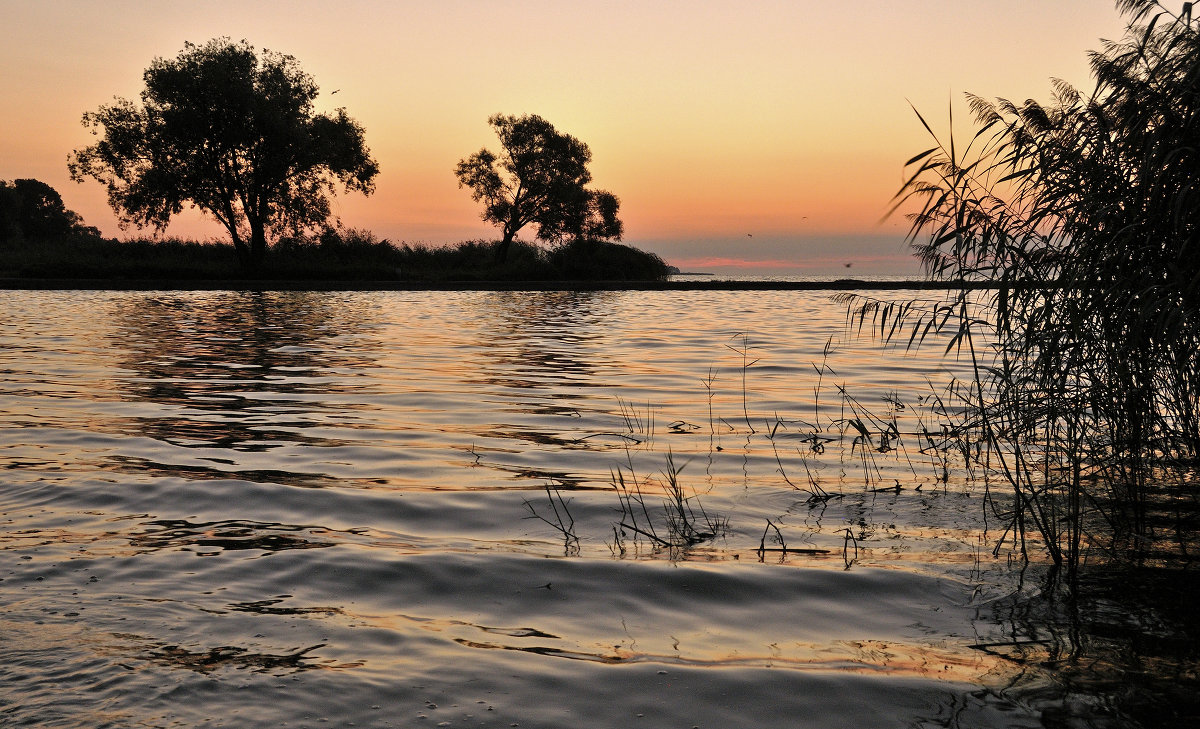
563, 522
884, 443
675, 524
678, 524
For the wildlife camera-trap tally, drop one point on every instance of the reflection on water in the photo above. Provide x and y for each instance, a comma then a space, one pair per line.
537, 341
1124, 652
207, 538
270, 607
240, 371
226, 657
264, 508
225, 468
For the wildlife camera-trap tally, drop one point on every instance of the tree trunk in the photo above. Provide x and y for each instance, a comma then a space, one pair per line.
243, 252
258, 245
502, 248
239, 245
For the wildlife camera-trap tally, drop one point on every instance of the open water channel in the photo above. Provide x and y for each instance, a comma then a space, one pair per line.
428, 509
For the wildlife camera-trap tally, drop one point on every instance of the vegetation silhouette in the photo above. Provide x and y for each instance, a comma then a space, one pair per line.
232, 132
539, 178
341, 255
1085, 397
31, 210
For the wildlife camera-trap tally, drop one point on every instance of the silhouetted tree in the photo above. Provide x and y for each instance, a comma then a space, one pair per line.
539, 178
602, 222
33, 210
233, 133
8, 214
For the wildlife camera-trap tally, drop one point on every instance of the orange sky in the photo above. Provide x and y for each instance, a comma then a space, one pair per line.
771, 125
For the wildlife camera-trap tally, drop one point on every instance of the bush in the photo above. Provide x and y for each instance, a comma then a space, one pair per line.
596, 260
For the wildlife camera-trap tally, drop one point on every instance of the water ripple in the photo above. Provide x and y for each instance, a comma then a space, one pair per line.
257, 508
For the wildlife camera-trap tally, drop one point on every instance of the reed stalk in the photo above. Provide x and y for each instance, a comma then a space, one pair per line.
1085, 395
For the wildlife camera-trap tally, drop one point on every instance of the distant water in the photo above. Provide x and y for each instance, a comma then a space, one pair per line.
341, 509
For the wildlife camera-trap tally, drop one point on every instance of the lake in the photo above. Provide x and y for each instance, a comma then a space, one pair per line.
499, 509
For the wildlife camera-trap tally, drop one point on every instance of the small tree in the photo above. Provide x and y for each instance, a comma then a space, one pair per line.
539, 178
32, 210
233, 133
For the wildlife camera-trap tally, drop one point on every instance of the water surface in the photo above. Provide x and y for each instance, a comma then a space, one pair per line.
395, 509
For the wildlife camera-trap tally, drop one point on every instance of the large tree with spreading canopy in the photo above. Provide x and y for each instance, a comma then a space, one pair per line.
229, 131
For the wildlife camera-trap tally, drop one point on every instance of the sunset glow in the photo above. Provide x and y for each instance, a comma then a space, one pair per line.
788, 121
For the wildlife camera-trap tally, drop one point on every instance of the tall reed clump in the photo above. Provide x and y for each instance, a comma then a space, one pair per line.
1085, 212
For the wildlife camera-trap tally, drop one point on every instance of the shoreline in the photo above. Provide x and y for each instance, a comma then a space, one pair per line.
847, 284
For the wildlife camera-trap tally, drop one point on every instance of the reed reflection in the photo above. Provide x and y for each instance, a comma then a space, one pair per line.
236, 370
1121, 653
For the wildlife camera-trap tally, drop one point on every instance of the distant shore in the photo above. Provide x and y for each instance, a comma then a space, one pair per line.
716, 284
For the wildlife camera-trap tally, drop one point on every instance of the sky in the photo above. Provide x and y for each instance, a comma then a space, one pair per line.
740, 136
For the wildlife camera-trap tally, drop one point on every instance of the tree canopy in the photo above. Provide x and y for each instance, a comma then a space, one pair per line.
32, 210
229, 131
539, 178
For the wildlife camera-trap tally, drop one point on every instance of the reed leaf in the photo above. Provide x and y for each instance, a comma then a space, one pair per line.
1085, 214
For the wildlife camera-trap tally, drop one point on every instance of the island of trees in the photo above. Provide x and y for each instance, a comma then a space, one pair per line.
235, 134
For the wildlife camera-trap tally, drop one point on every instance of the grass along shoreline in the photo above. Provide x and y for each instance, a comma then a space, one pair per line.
334, 255
356, 260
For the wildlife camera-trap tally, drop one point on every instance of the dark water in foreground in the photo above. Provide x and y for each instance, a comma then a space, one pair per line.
339, 509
